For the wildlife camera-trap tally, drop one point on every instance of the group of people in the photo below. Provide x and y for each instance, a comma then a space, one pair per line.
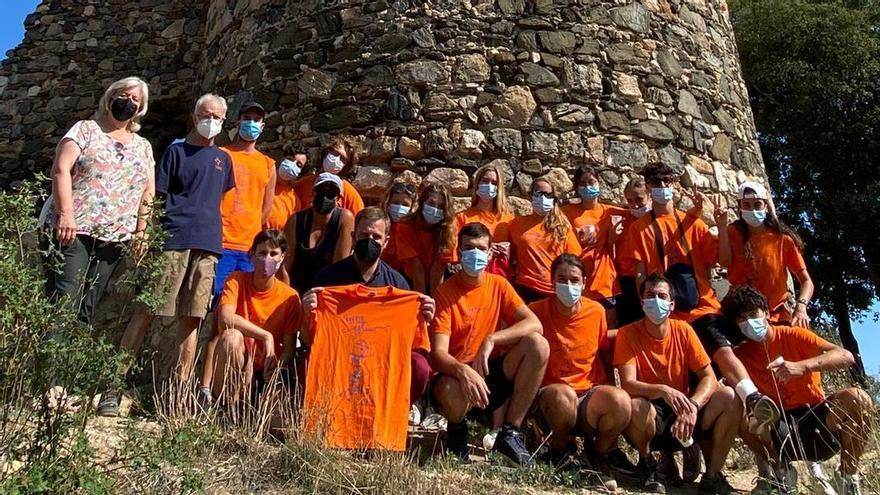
584, 319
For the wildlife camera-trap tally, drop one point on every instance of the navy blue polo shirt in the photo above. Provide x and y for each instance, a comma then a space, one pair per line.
346, 272
193, 180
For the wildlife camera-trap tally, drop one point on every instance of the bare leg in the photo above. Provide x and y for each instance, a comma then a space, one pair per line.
642, 427
762, 448
849, 408
187, 341
558, 403
609, 411
723, 416
731, 367
229, 375
453, 404
525, 365
208, 365
133, 338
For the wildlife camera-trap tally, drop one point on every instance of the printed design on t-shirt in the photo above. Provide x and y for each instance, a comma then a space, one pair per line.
359, 353
218, 165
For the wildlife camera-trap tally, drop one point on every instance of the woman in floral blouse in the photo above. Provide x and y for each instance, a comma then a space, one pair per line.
102, 186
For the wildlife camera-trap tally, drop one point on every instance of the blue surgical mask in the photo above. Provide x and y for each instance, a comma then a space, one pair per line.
755, 329
333, 163
249, 130
487, 191
432, 215
541, 204
661, 195
755, 218
568, 294
289, 170
396, 212
589, 192
657, 310
474, 261
640, 212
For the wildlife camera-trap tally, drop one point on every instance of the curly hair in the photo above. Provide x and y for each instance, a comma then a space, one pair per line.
657, 171
555, 222
743, 300
351, 160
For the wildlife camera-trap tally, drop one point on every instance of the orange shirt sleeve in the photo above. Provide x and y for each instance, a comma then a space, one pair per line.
572, 245
231, 289
807, 341
407, 245
442, 323
792, 256
704, 243
697, 357
351, 198
623, 349
510, 300
303, 188
604, 344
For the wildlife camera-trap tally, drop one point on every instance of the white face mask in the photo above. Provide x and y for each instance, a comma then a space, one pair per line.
208, 128
640, 212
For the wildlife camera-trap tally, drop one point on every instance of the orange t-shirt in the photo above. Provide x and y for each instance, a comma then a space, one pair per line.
772, 255
389, 254
623, 248
276, 310
792, 344
358, 379
661, 362
598, 258
350, 199
242, 206
497, 224
575, 342
284, 205
413, 242
704, 253
469, 313
534, 250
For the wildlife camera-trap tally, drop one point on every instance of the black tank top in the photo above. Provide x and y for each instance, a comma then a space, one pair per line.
308, 261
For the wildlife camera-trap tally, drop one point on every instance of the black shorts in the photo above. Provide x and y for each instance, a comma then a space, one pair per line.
628, 302
663, 439
808, 438
259, 382
500, 388
715, 332
582, 402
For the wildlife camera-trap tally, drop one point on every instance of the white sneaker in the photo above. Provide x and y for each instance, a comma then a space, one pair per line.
415, 415
820, 483
434, 421
489, 439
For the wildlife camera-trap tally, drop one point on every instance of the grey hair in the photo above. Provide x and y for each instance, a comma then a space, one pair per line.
209, 97
115, 89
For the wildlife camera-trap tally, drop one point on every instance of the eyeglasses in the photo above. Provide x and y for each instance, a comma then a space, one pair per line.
546, 194
662, 181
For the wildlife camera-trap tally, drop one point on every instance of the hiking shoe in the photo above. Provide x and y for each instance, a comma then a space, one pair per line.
646, 470
820, 483
691, 463
457, 440
204, 397
434, 421
620, 463
763, 413
511, 444
716, 484
597, 470
667, 469
108, 404
787, 479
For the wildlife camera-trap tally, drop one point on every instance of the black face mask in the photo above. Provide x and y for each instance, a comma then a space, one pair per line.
123, 109
367, 250
322, 204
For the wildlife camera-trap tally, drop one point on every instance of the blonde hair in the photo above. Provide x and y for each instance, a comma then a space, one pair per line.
555, 222
115, 89
208, 97
500, 200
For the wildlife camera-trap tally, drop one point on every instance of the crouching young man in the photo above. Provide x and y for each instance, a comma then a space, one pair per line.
479, 364
654, 356
575, 399
785, 363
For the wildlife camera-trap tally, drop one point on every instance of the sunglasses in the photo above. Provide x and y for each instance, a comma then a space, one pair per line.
663, 181
401, 188
546, 194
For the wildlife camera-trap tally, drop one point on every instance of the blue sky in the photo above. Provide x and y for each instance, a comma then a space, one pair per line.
12, 31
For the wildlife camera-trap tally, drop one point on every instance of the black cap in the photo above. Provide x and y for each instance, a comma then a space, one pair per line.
249, 105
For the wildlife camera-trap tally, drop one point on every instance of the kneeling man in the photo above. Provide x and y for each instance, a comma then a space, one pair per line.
479, 364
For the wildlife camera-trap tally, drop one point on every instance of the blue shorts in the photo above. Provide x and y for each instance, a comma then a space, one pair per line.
231, 261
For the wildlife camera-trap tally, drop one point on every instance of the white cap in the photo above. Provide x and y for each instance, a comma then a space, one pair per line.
760, 192
327, 177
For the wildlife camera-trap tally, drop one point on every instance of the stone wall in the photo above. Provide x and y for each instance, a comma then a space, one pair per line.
439, 88
72, 50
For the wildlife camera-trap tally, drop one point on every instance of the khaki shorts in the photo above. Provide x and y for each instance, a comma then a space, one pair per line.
187, 283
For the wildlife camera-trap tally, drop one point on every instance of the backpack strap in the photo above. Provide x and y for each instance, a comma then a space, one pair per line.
658, 239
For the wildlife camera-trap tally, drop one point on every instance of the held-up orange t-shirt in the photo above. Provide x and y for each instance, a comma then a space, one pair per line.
358, 379
534, 250
276, 310
242, 206
575, 342
792, 344
469, 313
350, 199
661, 362
598, 258
413, 242
704, 253
773, 254
284, 205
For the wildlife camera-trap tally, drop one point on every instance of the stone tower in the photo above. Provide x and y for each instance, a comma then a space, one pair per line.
420, 87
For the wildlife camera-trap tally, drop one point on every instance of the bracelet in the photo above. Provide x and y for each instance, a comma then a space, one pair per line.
692, 401
803, 301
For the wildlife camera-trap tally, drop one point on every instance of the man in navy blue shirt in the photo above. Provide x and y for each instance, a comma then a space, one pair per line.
365, 266
191, 179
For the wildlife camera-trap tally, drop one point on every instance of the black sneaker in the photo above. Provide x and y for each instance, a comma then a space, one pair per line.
667, 469
620, 463
715, 484
597, 471
512, 445
563, 460
762, 413
691, 463
108, 404
457, 440
646, 470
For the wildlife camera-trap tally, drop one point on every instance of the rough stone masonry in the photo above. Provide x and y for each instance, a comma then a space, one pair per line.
431, 88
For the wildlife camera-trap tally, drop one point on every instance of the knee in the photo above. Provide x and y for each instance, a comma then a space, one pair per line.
725, 399
854, 401
641, 410
230, 342
559, 398
421, 368
448, 394
617, 402
536, 346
